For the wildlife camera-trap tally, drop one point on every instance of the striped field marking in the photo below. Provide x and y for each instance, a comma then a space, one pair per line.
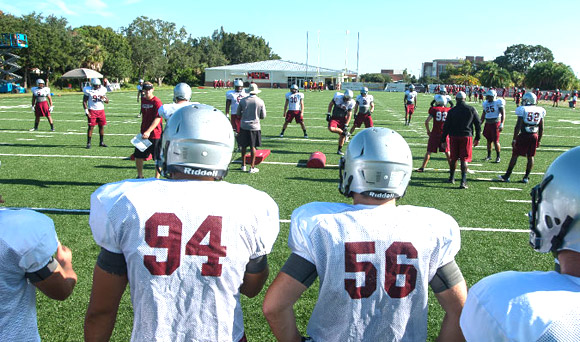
506, 189
519, 201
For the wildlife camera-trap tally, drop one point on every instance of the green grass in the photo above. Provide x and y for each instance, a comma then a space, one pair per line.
46, 169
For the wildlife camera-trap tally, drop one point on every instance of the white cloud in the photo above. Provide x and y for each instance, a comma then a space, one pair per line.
98, 7
63, 7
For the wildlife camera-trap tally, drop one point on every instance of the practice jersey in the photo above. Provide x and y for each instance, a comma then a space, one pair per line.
491, 110
439, 115
27, 242
364, 103
187, 244
167, 110
523, 306
96, 97
341, 105
375, 264
531, 115
294, 100
40, 94
235, 97
410, 96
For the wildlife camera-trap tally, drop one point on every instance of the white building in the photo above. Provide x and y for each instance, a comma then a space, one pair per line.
276, 74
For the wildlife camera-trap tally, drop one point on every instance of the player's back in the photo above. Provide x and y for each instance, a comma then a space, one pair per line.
374, 264
186, 244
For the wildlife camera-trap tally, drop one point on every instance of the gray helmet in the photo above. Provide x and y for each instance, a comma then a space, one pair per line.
294, 87
238, 83
411, 87
364, 90
378, 163
491, 93
95, 81
529, 99
348, 94
39, 81
182, 91
555, 215
440, 100
197, 140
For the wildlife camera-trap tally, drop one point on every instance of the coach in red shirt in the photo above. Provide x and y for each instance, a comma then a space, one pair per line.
151, 127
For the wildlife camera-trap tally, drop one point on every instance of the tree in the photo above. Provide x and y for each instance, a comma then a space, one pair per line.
492, 75
550, 75
521, 57
376, 78
245, 48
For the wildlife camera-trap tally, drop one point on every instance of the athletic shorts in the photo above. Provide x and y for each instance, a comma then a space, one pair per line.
153, 150
249, 138
434, 144
41, 109
294, 115
460, 148
409, 109
337, 122
491, 131
235, 121
97, 117
363, 118
526, 145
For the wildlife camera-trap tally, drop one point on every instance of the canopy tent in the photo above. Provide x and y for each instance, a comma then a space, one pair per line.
82, 73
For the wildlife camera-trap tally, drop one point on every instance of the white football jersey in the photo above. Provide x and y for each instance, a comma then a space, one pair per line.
186, 244
167, 110
341, 105
375, 264
532, 115
523, 306
40, 94
96, 97
410, 96
294, 100
27, 242
491, 110
235, 98
364, 103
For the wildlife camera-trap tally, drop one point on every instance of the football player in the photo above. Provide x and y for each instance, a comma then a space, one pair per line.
151, 127
32, 258
94, 100
443, 92
233, 98
375, 260
364, 108
139, 91
556, 97
181, 97
410, 103
527, 135
295, 106
438, 114
341, 107
494, 117
537, 306
41, 104
186, 246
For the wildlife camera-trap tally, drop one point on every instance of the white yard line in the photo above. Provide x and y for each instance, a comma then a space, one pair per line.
505, 189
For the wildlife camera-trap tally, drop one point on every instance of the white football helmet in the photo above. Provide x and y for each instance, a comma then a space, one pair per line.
294, 88
529, 99
555, 215
348, 94
440, 100
238, 83
197, 140
182, 91
364, 90
378, 163
491, 93
39, 81
95, 82
460, 96
411, 87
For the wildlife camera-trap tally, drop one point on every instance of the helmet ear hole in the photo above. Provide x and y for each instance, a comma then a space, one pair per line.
557, 220
548, 221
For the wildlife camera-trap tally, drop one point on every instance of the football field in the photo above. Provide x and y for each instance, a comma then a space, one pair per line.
54, 172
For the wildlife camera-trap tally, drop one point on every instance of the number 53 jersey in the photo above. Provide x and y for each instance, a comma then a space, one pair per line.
186, 244
374, 264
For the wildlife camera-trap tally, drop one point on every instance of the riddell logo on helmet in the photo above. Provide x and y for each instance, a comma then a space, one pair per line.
381, 195
200, 172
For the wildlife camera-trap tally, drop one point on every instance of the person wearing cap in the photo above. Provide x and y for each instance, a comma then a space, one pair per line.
94, 100
461, 120
341, 107
252, 109
151, 127
375, 260
364, 108
41, 104
537, 305
295, 106
410, 103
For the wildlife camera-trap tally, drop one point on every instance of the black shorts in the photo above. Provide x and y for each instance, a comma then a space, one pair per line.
249, 138
150, 150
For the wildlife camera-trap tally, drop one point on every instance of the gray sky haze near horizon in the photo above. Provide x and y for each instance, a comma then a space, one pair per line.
393, 35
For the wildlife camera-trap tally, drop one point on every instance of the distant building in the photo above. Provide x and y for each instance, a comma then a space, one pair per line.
277, 74
438, 66
396, 75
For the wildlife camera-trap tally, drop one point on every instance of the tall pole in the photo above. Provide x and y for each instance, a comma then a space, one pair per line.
357, 55
318, 63
306, 75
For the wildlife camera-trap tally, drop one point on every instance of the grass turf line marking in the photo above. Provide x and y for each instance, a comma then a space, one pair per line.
506, 189
519, 201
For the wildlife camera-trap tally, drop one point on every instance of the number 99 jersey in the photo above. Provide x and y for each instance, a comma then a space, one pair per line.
374, 264
186, 244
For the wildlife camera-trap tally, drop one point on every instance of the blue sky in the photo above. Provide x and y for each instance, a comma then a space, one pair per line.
393, 34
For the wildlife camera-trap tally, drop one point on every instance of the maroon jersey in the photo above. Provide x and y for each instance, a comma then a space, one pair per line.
149, 109
439, 115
